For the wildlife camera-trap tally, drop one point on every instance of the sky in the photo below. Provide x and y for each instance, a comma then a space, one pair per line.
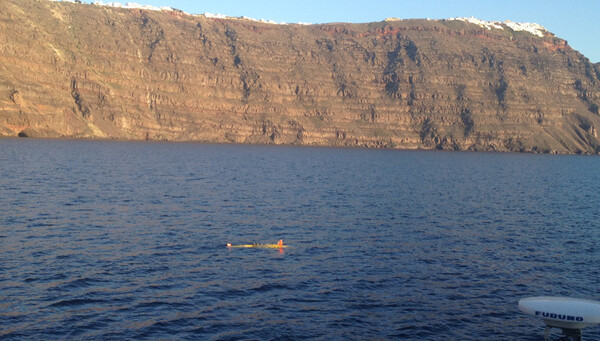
577, 21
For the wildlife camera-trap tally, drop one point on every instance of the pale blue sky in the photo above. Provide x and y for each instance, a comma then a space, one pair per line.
577, 21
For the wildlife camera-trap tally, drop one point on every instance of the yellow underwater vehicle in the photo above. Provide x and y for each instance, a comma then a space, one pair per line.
279, 245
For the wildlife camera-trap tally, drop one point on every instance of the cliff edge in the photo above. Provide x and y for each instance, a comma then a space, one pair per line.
94, 71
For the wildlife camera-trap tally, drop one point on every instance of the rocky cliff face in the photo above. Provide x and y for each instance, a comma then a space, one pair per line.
86, 71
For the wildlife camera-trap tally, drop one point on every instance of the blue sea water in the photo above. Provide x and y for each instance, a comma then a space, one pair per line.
125, 240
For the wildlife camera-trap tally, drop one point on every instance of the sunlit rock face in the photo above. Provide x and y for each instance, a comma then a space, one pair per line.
97, 71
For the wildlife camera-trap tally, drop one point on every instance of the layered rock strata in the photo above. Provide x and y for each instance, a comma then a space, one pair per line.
84, 71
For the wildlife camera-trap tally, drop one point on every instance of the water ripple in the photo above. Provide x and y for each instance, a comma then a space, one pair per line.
106, 240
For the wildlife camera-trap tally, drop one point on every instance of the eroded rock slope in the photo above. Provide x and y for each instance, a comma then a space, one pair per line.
85, 71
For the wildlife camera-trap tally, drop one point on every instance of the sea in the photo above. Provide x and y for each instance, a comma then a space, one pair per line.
105, 240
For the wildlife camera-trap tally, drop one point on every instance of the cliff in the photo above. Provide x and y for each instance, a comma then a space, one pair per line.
88, 71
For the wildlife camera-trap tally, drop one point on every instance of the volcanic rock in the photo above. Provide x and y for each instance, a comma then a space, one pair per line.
90, 71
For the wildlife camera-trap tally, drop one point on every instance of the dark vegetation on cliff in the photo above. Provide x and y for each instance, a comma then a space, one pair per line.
85, 71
